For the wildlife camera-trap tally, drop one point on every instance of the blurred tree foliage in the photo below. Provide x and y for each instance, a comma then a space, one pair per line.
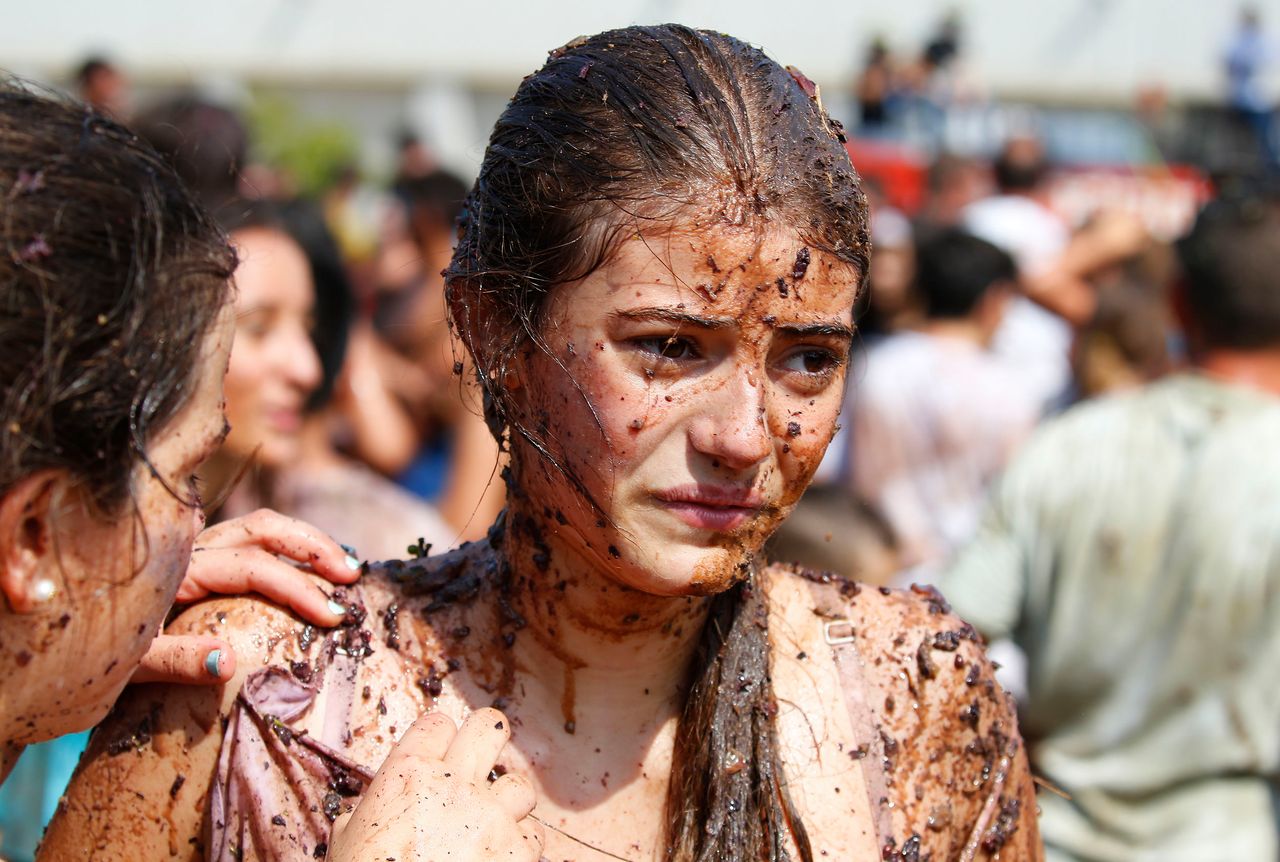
311, 151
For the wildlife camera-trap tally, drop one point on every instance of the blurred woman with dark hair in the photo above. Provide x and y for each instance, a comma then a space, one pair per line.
293, 313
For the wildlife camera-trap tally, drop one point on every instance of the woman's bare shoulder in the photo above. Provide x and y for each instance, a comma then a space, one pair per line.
141, 789
396, 607
953, 758
952, 750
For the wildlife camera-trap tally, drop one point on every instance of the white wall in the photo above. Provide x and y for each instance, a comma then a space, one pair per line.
448, 67
1097, 49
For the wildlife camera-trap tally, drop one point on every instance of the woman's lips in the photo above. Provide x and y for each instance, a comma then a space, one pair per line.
284, 420
717, 508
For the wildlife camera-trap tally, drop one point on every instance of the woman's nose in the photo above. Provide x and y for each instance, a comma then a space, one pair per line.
300, 362
732, 428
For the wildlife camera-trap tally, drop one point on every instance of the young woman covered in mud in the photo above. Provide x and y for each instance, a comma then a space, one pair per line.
655, 277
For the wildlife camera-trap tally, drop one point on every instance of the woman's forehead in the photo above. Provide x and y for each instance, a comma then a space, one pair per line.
273, 271
715, 266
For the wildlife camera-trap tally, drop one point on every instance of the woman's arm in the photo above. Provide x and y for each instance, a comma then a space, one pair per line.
474, 492
385, 436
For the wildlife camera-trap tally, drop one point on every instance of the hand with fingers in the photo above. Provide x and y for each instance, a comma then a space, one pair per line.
432, 799
252, 554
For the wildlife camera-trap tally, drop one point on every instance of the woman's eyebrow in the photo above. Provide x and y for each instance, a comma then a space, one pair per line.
684, 318
809, 330
671, 315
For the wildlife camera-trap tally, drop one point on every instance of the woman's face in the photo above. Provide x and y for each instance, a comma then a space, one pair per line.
705, 372
274, 367
116, 580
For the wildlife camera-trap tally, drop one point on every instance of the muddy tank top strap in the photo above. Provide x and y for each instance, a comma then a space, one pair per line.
837, 632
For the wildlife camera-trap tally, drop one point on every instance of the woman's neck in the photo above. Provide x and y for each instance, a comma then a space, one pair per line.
236, 486
9, 754
586, 646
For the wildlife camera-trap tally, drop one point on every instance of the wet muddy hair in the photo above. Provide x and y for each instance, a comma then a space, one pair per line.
643, 129
111, 276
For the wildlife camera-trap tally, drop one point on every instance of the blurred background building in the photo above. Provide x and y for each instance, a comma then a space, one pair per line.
1106, 72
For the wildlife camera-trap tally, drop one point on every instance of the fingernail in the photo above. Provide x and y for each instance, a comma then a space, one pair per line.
213, 663
351, 552
337, 609
352, 563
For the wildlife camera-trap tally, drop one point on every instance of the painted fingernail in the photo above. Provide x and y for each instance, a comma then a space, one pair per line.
352, 563
336, 609
213, 663
351, 552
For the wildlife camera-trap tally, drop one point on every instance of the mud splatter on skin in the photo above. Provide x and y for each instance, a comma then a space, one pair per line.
137, 737
391, 622
947, 758
433, 683
1006, 824
801, 265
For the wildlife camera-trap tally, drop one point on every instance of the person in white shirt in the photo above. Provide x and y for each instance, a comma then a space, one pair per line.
935, 416
1132, 550
1019, 221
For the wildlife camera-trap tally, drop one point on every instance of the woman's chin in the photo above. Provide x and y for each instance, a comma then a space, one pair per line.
56, 723
279, 450
685, 570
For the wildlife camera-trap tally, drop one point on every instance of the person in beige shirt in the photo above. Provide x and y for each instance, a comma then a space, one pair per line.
1133, 551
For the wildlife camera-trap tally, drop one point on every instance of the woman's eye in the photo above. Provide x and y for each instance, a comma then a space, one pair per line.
668, 347
254, 325
814, 361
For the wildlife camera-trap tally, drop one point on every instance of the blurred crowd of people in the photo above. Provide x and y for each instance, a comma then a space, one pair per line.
1067, 426
931, 96
890, 88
